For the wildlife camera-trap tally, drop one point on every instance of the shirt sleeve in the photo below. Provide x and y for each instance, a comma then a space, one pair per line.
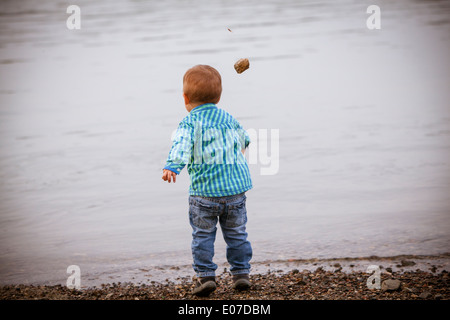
182, 145
244, 137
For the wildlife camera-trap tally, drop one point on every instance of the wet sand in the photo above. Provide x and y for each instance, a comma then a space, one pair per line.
417, 278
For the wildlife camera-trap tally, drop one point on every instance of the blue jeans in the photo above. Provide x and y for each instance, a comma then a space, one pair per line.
232, 215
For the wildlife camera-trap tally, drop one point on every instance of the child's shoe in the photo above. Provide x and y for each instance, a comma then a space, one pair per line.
241, 282
204, 286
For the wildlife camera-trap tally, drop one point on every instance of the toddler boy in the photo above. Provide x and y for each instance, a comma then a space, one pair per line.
212, 143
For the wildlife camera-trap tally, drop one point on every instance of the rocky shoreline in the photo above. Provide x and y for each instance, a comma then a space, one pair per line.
319, 284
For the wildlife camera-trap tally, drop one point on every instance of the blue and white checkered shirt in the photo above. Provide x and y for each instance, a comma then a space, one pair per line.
209, 141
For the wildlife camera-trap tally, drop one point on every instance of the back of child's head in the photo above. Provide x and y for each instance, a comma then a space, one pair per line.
202, 84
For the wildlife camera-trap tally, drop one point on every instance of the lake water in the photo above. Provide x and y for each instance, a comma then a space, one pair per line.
86, 117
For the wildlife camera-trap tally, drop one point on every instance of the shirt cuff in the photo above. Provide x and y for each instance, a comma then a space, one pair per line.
175, 170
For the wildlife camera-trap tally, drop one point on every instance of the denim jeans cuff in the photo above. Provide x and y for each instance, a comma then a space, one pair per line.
240, 271
206, 274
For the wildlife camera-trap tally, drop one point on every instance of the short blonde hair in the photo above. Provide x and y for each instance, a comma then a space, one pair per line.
202, 84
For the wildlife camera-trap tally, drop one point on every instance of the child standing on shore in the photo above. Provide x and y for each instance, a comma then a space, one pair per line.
212, 143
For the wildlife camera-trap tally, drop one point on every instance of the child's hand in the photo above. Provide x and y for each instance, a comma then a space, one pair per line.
169, 175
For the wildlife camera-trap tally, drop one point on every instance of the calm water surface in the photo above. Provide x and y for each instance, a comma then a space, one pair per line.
86, 118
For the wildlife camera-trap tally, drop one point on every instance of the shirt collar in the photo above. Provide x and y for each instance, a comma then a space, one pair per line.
202, 107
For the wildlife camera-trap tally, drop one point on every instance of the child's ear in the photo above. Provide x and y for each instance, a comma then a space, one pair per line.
186, 99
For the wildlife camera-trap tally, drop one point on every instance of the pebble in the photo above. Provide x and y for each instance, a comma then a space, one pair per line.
407, 263
425, 295
390, 285
241, 65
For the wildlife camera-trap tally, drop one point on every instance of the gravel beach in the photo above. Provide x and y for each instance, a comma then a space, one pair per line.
330, 281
